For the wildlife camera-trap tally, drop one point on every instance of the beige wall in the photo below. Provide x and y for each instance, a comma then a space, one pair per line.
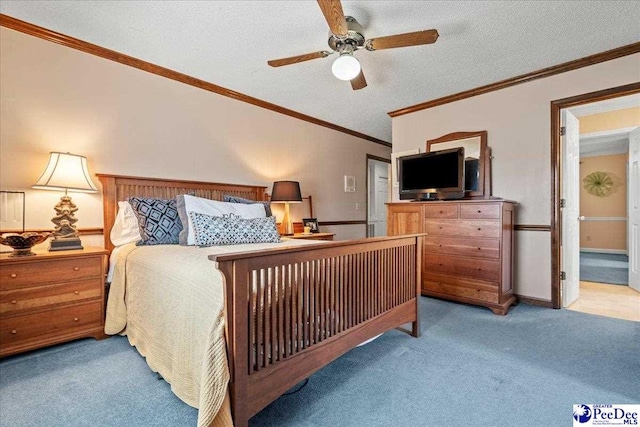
596, 232
610, 120
130, 122
518, 123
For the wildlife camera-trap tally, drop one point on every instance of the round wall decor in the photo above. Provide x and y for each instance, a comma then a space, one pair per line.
599, 184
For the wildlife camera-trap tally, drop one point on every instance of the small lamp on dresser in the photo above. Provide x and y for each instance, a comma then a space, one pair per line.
286, 192
66, 172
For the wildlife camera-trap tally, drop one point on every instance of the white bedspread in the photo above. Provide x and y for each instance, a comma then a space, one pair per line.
168, 300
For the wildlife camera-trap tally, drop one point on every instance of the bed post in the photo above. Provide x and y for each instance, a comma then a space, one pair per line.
109, 206
415, 326
237, 331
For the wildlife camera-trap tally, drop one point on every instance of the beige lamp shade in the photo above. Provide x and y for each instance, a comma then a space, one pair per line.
64, 172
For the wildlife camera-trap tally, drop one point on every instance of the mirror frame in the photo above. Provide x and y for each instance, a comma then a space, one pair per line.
484, 163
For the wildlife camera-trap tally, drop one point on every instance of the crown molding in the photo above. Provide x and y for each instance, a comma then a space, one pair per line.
608, 55
83, 46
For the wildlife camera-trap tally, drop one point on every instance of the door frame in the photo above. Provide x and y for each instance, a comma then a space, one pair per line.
556, 172
366, 184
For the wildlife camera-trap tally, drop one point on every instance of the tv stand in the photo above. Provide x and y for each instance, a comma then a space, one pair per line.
443, 195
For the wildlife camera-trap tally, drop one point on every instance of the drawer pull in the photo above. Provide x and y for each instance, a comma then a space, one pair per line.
78, 293
14, 332
440, 264
441, 211
479, 228
76, 268
13, 275
75, 319
479, 249
479, 211
14, 302
440, 228
479, 269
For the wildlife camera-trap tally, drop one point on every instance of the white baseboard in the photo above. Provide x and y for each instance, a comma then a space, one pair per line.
604, 251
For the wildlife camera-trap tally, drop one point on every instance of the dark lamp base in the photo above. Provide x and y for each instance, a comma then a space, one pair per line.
65, 244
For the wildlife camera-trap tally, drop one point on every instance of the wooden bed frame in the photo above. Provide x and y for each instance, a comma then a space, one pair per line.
291, 311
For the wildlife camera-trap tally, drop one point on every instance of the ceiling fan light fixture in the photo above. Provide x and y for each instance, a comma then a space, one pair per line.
346, 67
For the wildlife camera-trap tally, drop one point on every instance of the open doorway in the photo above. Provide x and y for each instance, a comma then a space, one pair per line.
599, 179
377, 195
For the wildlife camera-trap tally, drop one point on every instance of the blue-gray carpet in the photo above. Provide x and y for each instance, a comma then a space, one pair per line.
604, 268
469, 367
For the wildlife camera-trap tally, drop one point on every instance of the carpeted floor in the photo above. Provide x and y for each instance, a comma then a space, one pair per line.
469, 367
604, 268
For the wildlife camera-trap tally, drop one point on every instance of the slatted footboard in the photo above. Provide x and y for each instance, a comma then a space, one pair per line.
292, 311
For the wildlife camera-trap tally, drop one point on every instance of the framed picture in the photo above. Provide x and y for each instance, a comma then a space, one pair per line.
312, 223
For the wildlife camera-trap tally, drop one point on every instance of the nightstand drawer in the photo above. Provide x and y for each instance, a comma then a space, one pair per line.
41, 296
37, 272
56, 324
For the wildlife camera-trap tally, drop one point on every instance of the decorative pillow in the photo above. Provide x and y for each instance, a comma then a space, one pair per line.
233, 230
186, 204
158, 220
235, 199
125, 228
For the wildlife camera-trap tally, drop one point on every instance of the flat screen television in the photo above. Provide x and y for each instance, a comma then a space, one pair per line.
432, 176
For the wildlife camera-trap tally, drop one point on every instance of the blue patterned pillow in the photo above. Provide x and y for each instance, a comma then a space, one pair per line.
233, 230
236, 199
158, 220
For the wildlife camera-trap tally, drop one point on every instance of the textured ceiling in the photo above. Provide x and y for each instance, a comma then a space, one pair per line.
228, 43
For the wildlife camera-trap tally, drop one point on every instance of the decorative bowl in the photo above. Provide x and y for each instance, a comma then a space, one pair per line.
22, 243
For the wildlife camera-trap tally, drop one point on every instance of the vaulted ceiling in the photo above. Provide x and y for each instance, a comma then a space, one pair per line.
229, 43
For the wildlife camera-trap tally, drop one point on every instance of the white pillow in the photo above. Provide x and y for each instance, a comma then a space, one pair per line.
125, 229
216, 208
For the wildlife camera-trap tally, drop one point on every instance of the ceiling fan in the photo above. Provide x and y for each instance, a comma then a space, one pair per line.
346, 37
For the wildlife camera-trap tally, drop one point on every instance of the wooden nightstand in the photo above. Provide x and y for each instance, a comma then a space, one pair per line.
50, 298
312, 236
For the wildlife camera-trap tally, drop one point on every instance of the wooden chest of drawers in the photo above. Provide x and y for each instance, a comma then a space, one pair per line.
468, 250
51, 298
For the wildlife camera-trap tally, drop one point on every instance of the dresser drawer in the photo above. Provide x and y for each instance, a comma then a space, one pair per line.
468, 228
480, 211
15, 300
34, 273
460, 287
476, 268
441, 211
463, 246
48, 325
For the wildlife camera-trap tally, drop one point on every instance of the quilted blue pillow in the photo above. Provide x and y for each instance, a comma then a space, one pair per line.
158, 220
233, 230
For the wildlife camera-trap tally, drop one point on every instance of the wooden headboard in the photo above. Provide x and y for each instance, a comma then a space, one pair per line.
117, 188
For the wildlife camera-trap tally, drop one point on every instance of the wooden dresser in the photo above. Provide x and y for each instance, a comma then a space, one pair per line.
468, 249
51, 298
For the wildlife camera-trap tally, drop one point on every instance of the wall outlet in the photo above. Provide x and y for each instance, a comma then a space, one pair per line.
358, 206
588, 238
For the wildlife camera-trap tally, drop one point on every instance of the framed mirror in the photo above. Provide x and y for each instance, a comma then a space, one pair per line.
477, 159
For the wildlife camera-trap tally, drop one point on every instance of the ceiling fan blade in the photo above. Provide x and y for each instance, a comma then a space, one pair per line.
359, 82
332, 11
299, 58
403, 40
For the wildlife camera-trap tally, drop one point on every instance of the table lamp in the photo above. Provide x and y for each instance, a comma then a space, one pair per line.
287, 192
66, 172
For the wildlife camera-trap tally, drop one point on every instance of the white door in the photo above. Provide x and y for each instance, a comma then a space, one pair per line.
378, 180
570, 246
634, 209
